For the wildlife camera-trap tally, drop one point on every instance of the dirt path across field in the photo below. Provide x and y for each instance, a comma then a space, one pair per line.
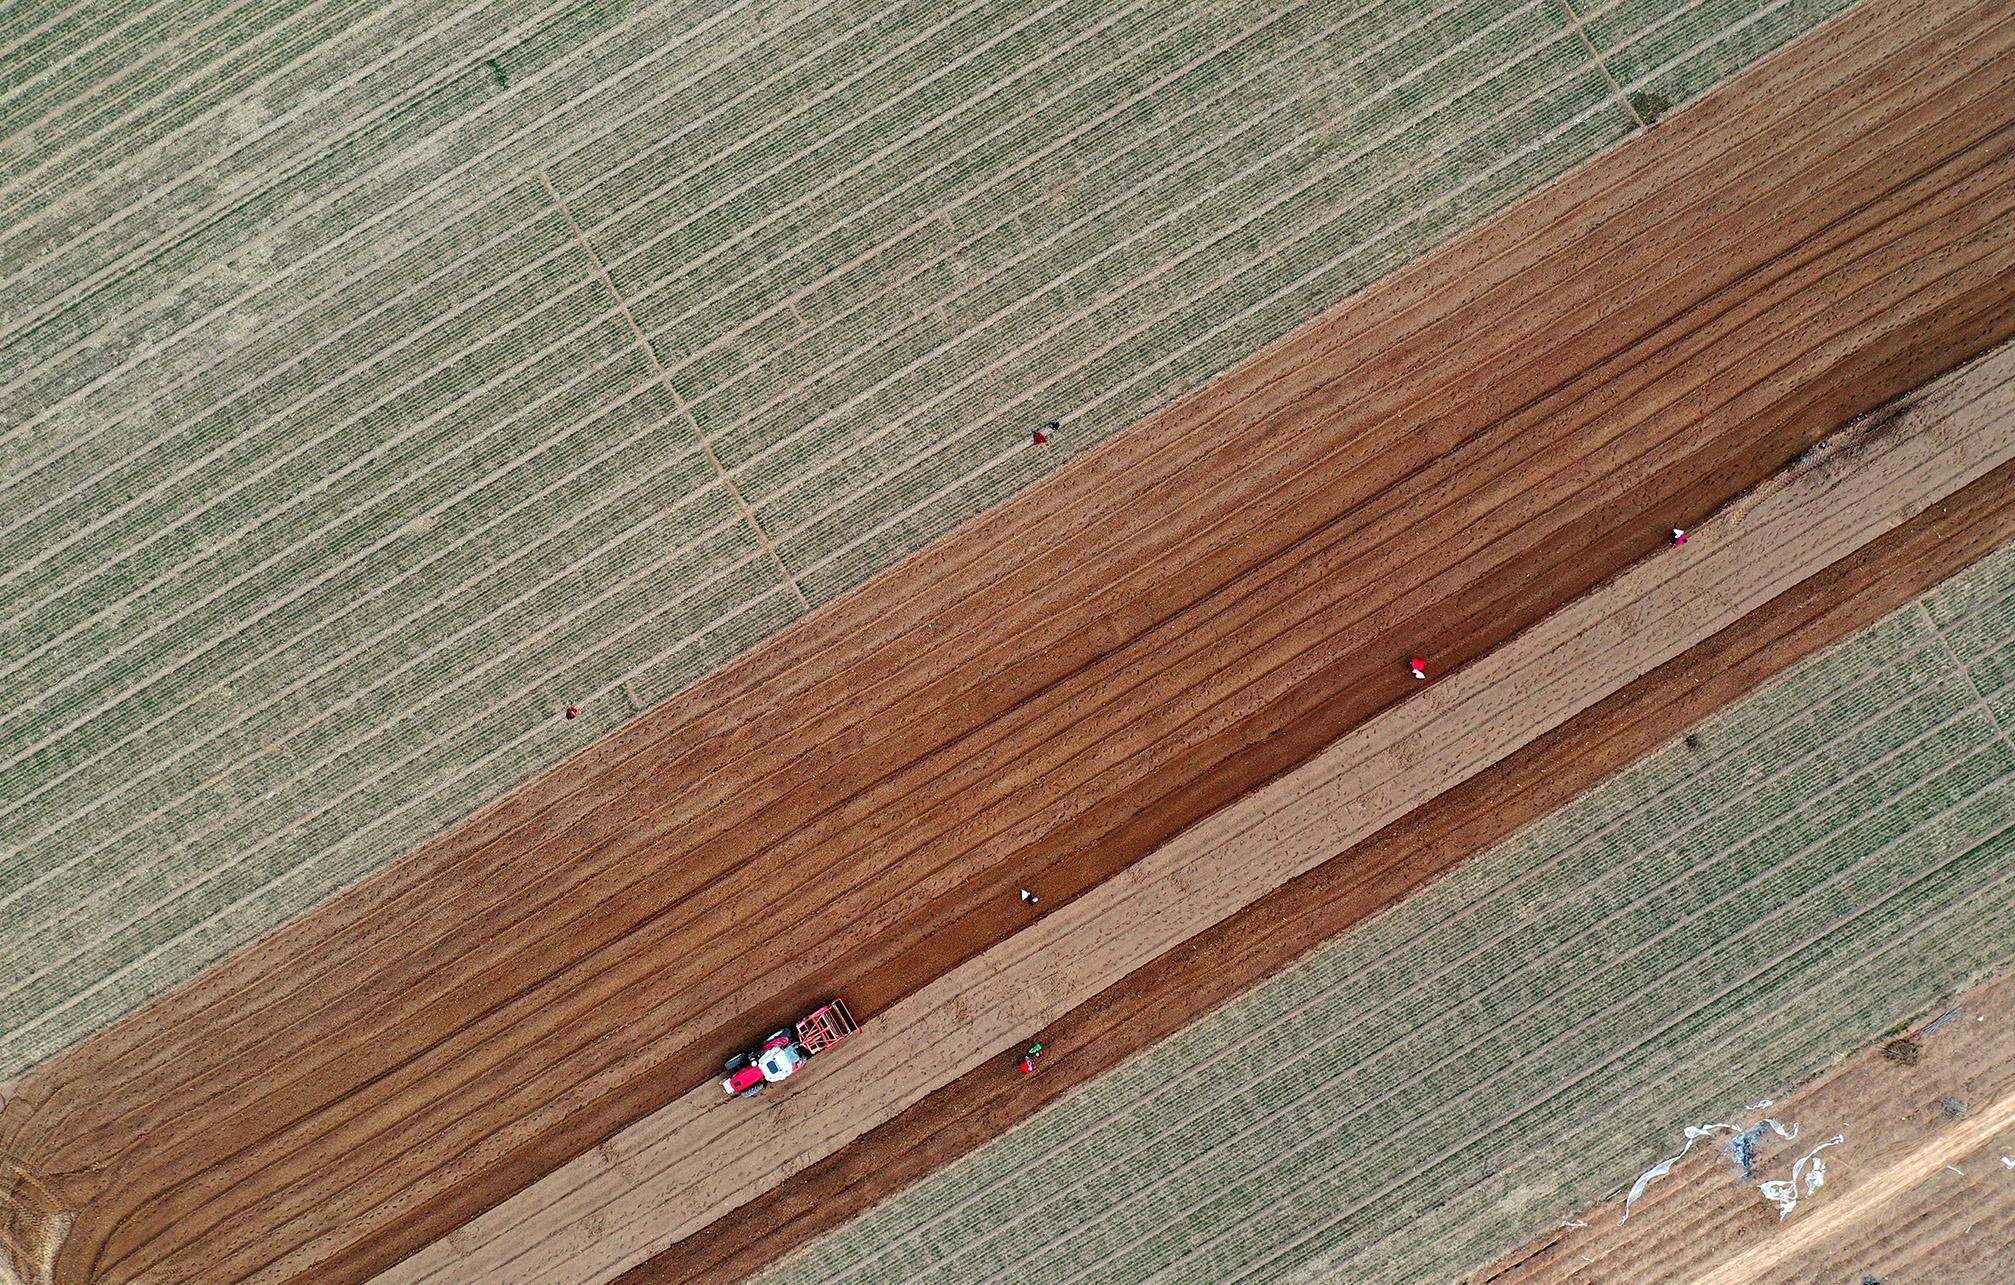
1916, 1188
673, 1173
1068, 683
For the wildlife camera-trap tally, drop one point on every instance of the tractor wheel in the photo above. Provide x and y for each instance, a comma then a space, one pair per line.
737, 1062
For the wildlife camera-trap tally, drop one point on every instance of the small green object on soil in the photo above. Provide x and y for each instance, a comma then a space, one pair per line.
1649, 106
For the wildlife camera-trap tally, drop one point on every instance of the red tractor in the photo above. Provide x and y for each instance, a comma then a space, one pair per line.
785, 1051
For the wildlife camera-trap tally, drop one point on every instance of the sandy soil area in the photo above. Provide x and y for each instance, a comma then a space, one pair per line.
1920, 1185
1068, 683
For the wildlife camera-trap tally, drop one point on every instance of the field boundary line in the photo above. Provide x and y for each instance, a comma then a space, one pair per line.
1672, 1062
349, 374
664, 380
1566, 9
1965, 672
307, 867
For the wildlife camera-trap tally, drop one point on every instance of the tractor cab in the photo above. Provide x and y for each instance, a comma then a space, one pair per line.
779, 1058
785, 1051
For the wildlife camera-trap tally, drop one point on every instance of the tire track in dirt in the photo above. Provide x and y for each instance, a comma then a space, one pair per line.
590, 991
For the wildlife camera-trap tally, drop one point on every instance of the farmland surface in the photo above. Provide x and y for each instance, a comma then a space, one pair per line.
1274, 932
1917, 1136
376, 382
1525, 1035
701, 1158
1222, 592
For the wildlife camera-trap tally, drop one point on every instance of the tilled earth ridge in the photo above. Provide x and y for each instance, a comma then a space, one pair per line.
1047, 695
670, 1173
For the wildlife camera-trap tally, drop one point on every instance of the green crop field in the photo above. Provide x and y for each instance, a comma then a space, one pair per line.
1525, 1035
333, 465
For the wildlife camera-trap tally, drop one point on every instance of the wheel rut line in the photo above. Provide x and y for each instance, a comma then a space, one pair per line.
1965, 673
1565, 8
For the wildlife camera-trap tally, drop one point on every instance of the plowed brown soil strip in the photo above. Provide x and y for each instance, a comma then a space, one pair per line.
1916, 1189
1220, 963
1049, 694
667, 1176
